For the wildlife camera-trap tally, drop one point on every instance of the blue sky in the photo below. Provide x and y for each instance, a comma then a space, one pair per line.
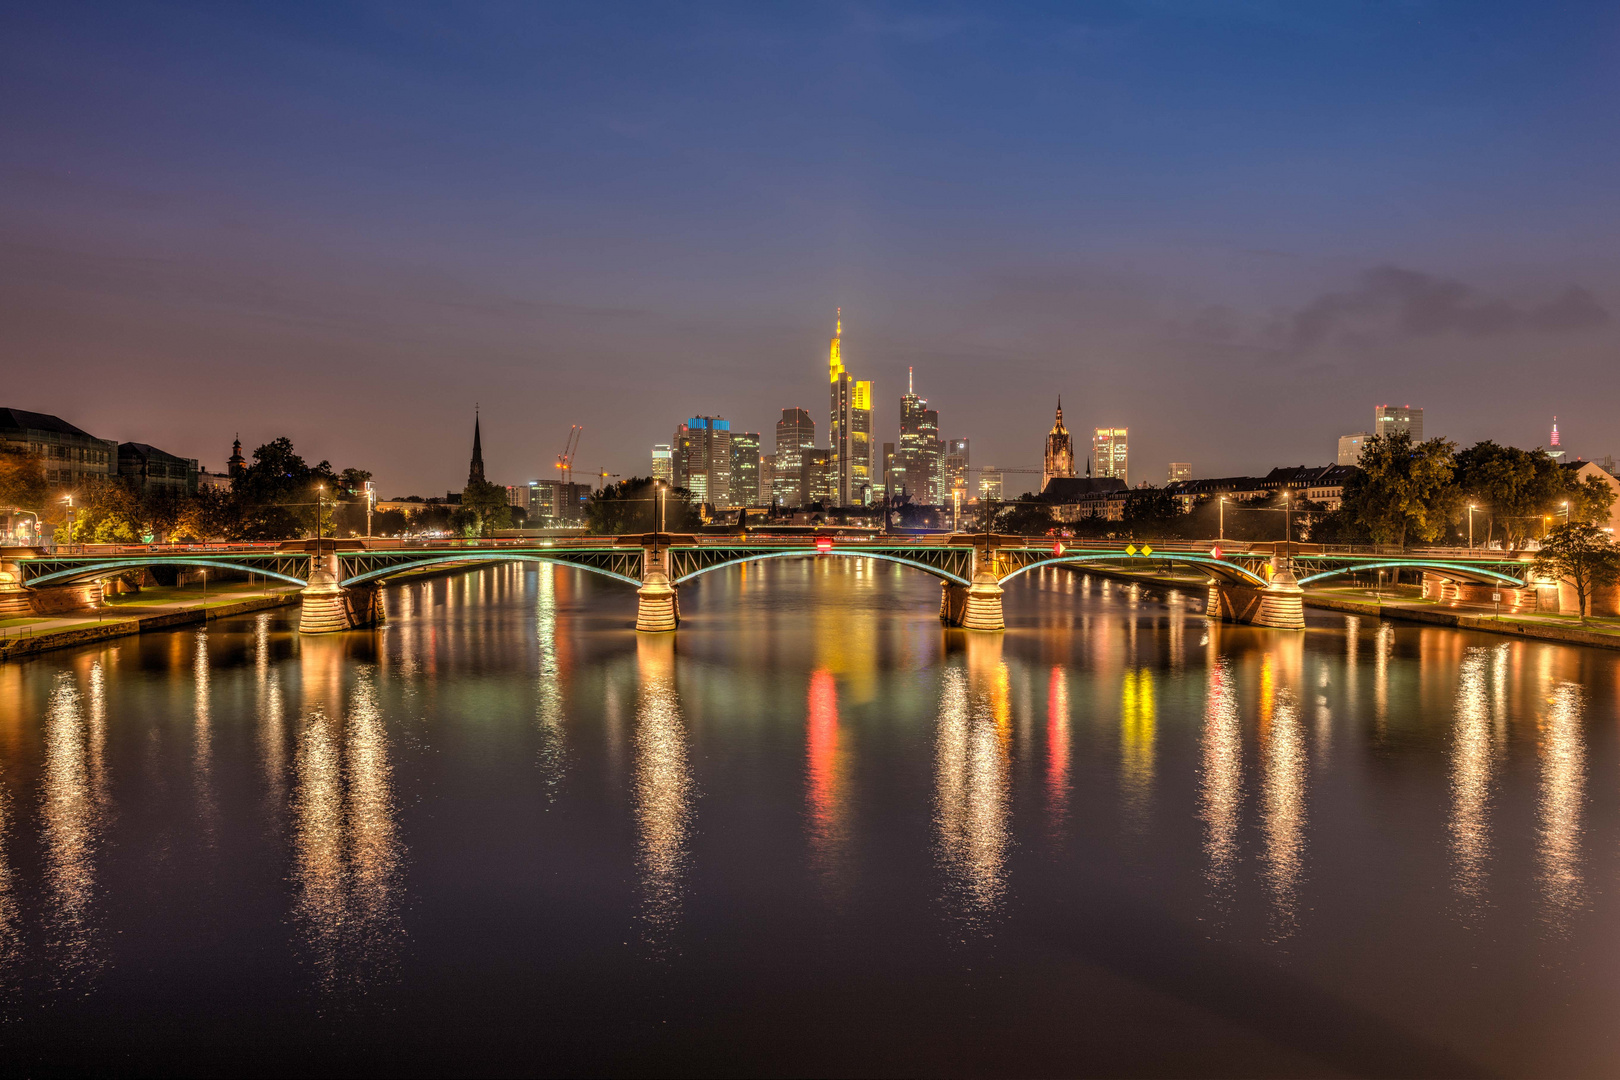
1233, 227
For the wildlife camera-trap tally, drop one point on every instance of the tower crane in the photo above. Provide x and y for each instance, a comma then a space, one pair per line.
603, 477
565, 460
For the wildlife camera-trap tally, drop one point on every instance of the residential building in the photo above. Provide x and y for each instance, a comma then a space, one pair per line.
213, 481
68, 455
1327, 486
1388, 419
1111, 453
1351, 446
663, 463
1584, 469
745, 468
702, 459
1179, 471
849, 434
1076, 497
150, 470
1059, 459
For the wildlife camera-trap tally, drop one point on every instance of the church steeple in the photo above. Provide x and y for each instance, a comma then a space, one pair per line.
475, 474
236, 464
1059, 463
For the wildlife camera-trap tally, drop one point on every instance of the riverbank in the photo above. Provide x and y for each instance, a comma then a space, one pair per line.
143, 612
1601, 633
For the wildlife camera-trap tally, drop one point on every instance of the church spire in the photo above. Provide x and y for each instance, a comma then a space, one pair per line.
475, 474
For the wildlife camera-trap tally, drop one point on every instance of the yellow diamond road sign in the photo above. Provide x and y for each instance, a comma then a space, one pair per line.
1146, 550
1130, 549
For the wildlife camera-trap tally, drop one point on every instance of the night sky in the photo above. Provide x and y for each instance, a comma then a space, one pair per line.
1234, 227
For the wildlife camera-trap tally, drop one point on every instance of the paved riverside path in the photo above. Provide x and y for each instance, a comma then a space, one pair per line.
136, 607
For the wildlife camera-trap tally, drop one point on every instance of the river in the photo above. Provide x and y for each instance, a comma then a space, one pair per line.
812, 832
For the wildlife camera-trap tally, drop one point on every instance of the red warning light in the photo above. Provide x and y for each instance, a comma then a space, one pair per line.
823, 543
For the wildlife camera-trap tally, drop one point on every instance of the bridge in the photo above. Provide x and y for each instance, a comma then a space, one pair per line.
338, 579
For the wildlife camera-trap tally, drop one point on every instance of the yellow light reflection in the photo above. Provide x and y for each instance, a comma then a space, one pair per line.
1221, 783
663, 793
1138, 738
1471, 754
1563, 789
971, 804
202, 769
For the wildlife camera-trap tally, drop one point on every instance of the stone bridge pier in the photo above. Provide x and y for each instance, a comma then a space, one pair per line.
976, 606
327, 607
1280, 604
657, 607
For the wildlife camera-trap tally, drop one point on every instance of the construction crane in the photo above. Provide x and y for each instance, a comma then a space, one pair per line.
565, 460
603, 477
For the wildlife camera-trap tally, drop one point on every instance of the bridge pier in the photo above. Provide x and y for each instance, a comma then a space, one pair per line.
658, 610
326, 607
976, 606
1280, 605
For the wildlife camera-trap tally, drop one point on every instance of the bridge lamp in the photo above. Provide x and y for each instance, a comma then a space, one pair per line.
1222, 511
1471, 509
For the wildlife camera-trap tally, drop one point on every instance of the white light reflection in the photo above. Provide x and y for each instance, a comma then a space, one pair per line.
663, 794
1471, 754
202, 769
347, 853
73, 815
1221, 782
272, 727
1282, 798
1058, 748
553, 753
971, 783
1563, 790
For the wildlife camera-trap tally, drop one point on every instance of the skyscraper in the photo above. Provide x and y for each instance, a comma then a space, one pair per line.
1179, 471
1351, 446
1388, 419
1059, 450
663, 463
475, 472
1109, 446
702, 455
956, 468
849, 435
917, 458
889, 464
795, 433
744, 467
767, 478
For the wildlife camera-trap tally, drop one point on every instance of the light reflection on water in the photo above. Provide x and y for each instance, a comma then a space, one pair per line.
505, 779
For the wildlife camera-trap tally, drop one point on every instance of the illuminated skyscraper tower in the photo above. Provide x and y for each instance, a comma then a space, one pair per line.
917, 461
849, 435
1110, 448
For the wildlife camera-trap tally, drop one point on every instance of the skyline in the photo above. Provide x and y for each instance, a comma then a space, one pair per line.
1181, 222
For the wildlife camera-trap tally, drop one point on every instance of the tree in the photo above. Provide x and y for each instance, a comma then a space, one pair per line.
276, 496
22, 480
1581, 554
1514, 488
484, 508
1029, 516
107, 511
631, 506
210, 514
1403, 491
1151, 513
1591, 500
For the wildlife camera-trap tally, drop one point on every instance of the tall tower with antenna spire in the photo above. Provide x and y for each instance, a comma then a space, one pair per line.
475, 473
849, 433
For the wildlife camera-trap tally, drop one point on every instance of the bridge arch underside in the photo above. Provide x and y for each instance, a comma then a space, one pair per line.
1231, 573
379, 575
935, 571
1476, 575
90, 572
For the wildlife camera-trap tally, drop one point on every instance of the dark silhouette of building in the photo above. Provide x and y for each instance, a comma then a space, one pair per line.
475, 474
236, 464
148, 469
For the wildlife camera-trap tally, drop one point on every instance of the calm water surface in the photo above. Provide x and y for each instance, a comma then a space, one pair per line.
813, 832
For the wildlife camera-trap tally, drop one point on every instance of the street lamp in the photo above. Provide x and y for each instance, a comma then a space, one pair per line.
1222, 511
1471, 509
319, 490
1288, 524
371, 501
68, 500
1565, 505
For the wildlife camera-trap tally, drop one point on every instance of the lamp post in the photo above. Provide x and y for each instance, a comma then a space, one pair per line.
1288, 524
68, 501
661, 488
1565, 511
319, 490
1222, 510
1471, 509
371, 501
